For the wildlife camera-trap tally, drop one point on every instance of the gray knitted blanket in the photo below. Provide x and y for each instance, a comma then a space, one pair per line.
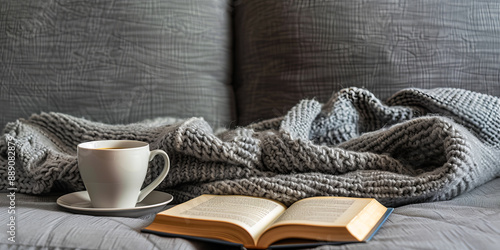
418, 146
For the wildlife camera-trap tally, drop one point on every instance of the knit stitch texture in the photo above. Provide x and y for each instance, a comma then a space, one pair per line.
418, 146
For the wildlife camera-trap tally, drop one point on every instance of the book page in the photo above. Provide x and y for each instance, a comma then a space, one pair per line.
253, 214
329, 211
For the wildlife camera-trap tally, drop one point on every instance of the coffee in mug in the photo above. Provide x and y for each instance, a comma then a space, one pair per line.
113, 171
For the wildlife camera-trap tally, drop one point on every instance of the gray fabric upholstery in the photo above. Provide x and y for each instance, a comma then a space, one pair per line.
116, 61
470, 221
290, 50
128, 60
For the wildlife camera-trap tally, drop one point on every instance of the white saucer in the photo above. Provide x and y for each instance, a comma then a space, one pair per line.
79, 202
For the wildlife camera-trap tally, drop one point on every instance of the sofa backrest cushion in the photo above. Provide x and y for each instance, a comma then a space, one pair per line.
117, 61
295, 49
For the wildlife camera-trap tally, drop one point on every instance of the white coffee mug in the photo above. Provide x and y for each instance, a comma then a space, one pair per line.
114, 171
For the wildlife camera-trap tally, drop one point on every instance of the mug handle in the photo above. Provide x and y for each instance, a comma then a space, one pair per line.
144, 192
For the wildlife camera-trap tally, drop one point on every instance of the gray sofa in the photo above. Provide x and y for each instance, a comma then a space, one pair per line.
236, 63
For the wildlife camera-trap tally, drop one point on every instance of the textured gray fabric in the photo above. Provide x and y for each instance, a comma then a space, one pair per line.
425, 145
290, 50
117, 61
42, 225
470, 221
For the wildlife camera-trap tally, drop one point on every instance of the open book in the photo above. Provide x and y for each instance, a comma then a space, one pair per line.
259, 222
